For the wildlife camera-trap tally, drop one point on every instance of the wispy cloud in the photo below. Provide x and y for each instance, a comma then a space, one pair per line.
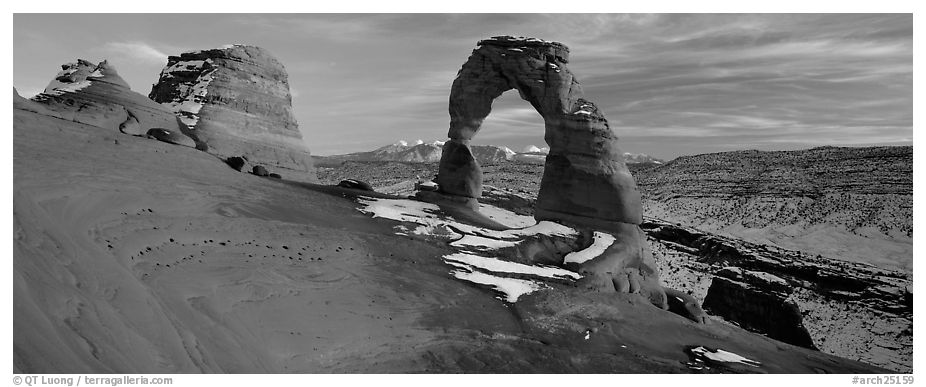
139, 51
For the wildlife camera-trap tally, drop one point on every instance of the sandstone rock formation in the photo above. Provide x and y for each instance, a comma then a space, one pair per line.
625, 266
583, 149
95, 94
236, 100
585, 180
758, 301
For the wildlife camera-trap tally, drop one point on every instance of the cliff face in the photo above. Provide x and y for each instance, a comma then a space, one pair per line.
852, 310
236, 100
757, 301
846, 203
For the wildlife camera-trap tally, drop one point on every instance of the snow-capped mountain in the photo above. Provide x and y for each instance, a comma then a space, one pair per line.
424, 152
641, 158
419, 152
430, 152
535, 149
533, 154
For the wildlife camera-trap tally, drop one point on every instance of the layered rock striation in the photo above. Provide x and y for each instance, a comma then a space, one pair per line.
851, 203
95, 94
883, 170
236, 100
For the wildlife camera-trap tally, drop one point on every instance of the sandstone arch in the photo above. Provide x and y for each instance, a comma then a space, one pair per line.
585, 179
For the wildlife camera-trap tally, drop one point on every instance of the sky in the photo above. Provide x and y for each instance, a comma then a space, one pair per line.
669, 84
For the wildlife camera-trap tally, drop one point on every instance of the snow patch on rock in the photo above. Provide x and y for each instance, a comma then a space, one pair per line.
475, 244
497, 265
425, 215
429, 215
722, 356
191, 95
512, 288
59, 88
601, 243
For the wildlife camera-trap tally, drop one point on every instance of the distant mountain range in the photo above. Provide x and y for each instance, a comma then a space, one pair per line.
430, 152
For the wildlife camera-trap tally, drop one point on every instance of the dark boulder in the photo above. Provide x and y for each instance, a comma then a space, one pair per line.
355, 184
275, 176
235, 162
158, 134
259, 170
426, 186
172, 137
685, 305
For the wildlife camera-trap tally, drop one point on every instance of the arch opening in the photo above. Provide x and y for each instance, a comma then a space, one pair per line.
512, 123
